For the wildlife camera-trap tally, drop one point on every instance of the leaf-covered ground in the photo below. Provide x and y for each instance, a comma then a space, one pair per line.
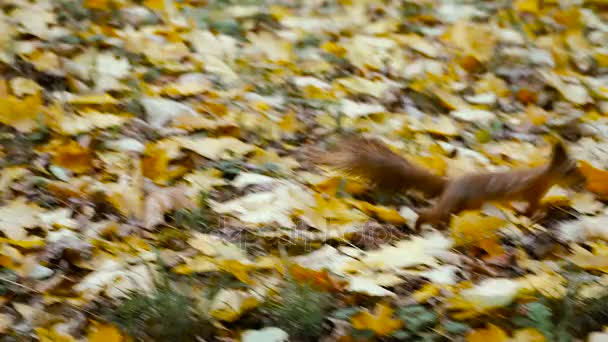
156, 180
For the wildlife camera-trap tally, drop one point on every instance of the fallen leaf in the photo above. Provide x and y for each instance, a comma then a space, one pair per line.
92, 99
408, 253
215, 148
491, 333
380, 321
489, 294
105, 333
160, 111
368, 286
16, 216
22, 114
268, 334
71, 155
86, 121
51, 335
228, 305
363, 86
9, 175
471, 228
597, 179
161, 201
268, 207
528, 335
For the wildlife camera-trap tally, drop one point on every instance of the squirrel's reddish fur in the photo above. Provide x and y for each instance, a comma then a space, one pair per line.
377, 163
389, 171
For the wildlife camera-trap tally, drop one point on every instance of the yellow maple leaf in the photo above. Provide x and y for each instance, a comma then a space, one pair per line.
104, 333
32, 243
24, 86
381, 321
238, 269
229, 305
45, 60
126, 195
198, 264
427, 292
328, 210
471, 228
475, 40
597, 179
333, 48
215, 148
50, 335
590, 261
528, 335
531, 6
491, 333
22, 114
91, 99
383, 213
289, 123
331, 185
155, 163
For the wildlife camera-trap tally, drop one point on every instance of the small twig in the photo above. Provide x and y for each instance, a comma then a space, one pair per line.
20, 285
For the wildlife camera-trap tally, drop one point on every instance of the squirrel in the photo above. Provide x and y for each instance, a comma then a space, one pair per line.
387, 171
371, 159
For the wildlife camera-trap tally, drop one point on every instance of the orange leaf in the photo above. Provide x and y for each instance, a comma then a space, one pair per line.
96, 4
381, 321
73, 156
526, 96
320, 280
491, 333
492, 247
597, 179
